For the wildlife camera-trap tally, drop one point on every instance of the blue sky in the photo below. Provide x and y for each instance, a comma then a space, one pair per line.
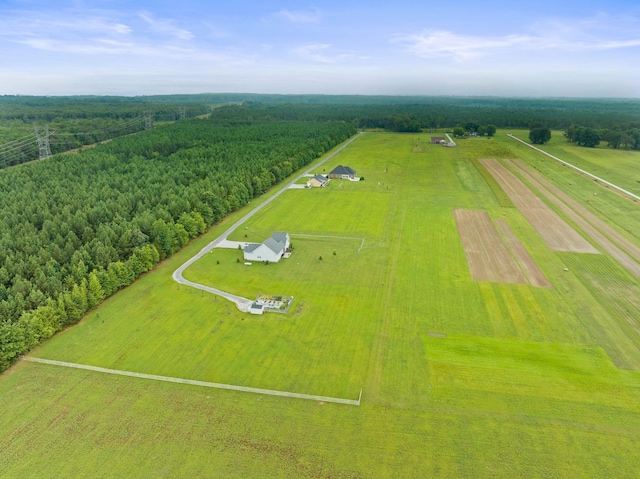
588, 48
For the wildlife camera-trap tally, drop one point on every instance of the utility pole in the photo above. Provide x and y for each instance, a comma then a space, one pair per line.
183, 112
44, 144
148, 121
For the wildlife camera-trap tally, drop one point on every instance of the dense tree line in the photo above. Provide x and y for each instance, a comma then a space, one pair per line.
449, 113
623, 136
76, 228
84, 120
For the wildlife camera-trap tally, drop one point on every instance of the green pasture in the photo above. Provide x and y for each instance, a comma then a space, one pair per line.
460, 378
620, 167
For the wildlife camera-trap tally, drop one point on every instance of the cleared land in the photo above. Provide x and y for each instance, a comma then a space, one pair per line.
535, 276
528, 382
488, 257
557, 233
603, 234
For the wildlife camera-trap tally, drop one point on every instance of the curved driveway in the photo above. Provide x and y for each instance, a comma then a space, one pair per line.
244, 303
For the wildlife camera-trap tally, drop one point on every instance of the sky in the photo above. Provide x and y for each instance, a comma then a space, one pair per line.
541, 48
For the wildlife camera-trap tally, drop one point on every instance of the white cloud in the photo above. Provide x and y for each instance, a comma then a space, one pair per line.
166, 27
459, 47
314, 52
309, 16
602, 32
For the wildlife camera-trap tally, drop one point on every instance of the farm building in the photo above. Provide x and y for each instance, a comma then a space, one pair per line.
342, 172
271, 250
438, 140
318, 181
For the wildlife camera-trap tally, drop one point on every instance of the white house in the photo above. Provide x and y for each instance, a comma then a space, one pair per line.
271, 250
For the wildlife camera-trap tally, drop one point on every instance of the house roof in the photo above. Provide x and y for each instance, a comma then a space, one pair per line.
342, 170
320, 178
274, 245
250, 247
280, 237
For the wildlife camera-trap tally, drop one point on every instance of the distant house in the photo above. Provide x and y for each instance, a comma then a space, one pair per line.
438, 140
318, 181
342, 172
271, 250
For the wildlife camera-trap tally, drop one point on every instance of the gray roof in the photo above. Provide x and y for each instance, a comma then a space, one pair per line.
256, 306
342, 170
274, 245
280, 237
321, 178
248, 248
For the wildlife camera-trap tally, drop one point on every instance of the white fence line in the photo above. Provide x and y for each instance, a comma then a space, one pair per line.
268, 392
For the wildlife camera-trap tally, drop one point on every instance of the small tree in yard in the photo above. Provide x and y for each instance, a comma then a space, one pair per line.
320, 258
458, 132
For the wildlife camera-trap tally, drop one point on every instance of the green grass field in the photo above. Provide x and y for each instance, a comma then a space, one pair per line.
460, 378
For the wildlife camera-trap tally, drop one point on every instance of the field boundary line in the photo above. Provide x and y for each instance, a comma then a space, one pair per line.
193, 382
334, 237
584, 172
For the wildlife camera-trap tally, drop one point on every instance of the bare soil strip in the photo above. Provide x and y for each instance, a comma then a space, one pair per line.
487, 256
269, 392
527, 263
555, 231
604, 235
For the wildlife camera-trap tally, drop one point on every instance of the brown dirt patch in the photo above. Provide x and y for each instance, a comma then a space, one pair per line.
555, 231
618, 246
527, 263
487, 256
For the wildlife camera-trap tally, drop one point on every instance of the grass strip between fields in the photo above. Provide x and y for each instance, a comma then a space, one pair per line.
269, 392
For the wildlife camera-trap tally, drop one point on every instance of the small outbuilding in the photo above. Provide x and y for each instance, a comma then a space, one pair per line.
256, 308
438, 140
317, 181
342, 173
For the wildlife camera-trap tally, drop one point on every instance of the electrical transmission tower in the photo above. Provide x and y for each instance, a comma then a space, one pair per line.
148, 121
44, 144
183, 112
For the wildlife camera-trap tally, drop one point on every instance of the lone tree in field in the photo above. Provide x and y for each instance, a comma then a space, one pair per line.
490, 130
539, 134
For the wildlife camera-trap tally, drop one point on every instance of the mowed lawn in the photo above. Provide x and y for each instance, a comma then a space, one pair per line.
460, 378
